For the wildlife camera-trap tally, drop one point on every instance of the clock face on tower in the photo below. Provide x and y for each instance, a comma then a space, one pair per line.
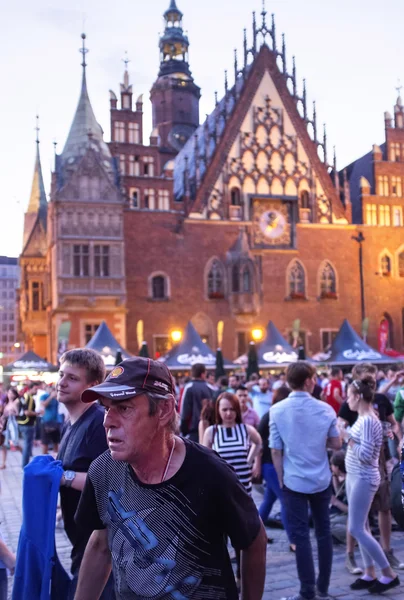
272, 226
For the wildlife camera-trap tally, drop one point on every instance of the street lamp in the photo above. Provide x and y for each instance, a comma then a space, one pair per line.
257, 334
176, 336
360, 238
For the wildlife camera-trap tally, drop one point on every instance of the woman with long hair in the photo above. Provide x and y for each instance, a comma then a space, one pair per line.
362, 482
237, 443
207, 417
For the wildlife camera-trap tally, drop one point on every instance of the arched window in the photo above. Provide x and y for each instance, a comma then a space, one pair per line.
304, 199
235, 279
296, 280
401, 264
216, 280
159, 286
385, 265
328, 281
235, 197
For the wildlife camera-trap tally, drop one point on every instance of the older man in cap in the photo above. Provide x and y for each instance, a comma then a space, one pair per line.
162, 506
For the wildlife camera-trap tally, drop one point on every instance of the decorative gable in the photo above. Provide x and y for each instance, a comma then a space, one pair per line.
257, 142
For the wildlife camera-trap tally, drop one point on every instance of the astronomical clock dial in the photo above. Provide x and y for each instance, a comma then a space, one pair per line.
271, 224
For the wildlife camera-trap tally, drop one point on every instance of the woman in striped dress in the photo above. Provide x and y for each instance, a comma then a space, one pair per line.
236, 443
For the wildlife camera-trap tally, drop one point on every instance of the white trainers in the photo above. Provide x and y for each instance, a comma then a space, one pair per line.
351, 565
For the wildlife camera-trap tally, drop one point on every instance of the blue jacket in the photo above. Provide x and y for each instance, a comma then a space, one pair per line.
36, 553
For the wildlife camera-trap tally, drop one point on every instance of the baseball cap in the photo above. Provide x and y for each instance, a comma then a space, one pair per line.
132, 377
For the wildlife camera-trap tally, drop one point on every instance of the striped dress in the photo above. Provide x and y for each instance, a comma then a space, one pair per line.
233, 444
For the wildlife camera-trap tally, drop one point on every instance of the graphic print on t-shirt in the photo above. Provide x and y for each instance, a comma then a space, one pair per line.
147, 555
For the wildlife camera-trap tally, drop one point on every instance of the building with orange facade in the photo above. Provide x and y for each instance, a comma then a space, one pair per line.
238, 220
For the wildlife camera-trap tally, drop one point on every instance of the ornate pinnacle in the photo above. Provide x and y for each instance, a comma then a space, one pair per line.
304, 100
273, 33
284, 54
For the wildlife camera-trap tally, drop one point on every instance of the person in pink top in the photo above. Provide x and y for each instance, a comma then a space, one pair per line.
248, 414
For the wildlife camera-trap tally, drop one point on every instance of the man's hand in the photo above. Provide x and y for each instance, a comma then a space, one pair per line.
351, 443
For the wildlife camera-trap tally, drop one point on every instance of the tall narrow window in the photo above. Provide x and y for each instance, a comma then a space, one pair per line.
122, 164
134, 133
401, 264
247, 280
396, 187
235, 279
148, 166
296, 280
235, 197
383, 185
36, 296
385, 265
397, 216
328, 281
371, 214
119, 132
384, 215
134, 170
134, 198
101, 261
159, 287
164, 200
81, 260
149, 197
395, 152
216, 280
304, 199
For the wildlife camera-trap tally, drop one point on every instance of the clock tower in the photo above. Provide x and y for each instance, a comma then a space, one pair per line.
174, 96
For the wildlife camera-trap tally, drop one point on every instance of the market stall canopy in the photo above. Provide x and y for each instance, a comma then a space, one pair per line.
349, 348
30, 362
275, 351
106, 344
190, 351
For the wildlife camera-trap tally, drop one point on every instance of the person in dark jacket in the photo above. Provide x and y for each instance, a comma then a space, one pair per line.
194, 392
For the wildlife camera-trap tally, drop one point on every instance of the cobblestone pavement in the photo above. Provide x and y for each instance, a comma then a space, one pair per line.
281, 578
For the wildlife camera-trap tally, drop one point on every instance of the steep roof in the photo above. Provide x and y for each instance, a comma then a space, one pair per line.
85, 132
362, 167
36, 216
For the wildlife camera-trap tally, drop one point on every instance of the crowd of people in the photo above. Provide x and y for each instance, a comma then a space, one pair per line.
150, 510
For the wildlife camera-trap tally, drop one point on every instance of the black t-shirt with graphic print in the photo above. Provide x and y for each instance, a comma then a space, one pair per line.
169, 540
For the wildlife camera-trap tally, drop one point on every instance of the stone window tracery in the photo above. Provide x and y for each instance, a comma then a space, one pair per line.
296, 280
215, 281
328, 281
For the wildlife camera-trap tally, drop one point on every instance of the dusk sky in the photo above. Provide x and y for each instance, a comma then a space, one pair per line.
350, 52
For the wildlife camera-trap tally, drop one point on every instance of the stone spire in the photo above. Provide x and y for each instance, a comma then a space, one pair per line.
37, 211
85, 131
37, 200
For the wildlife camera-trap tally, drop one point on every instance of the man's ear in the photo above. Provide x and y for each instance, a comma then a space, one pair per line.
166, 410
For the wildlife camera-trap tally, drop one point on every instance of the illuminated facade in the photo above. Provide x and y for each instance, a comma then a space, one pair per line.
240, 219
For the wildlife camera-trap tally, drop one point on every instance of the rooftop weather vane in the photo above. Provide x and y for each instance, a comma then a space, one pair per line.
37, 129
83, 50
126, 60
399, 87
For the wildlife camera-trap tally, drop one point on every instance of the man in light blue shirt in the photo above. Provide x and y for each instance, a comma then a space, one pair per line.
261, 397
301, 429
